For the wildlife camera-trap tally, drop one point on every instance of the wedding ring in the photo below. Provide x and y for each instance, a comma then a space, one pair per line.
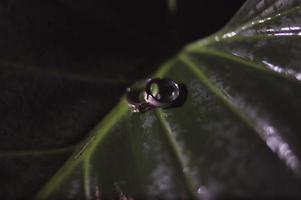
134, 103
157, 92
161, 92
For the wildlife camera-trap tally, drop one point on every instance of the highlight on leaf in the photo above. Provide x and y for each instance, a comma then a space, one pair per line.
237, 135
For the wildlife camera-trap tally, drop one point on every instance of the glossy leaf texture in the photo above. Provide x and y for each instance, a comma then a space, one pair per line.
237, 135
65, 64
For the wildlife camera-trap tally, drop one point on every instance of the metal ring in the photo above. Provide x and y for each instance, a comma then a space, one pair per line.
136, 105
168, 92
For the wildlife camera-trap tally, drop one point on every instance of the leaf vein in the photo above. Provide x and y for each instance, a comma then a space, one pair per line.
176, 152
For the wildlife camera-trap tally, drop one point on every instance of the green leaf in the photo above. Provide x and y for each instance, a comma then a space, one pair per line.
237, 135
65, 64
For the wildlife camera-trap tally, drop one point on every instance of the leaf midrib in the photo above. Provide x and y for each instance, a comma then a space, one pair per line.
176, 152
216, 91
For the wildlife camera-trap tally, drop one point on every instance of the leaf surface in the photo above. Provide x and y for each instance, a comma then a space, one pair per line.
237, 135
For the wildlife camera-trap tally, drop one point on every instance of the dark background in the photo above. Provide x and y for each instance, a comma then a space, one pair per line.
65, 63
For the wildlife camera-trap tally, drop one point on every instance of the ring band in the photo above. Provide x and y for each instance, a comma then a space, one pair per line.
157, 92
168, 92
132, 97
